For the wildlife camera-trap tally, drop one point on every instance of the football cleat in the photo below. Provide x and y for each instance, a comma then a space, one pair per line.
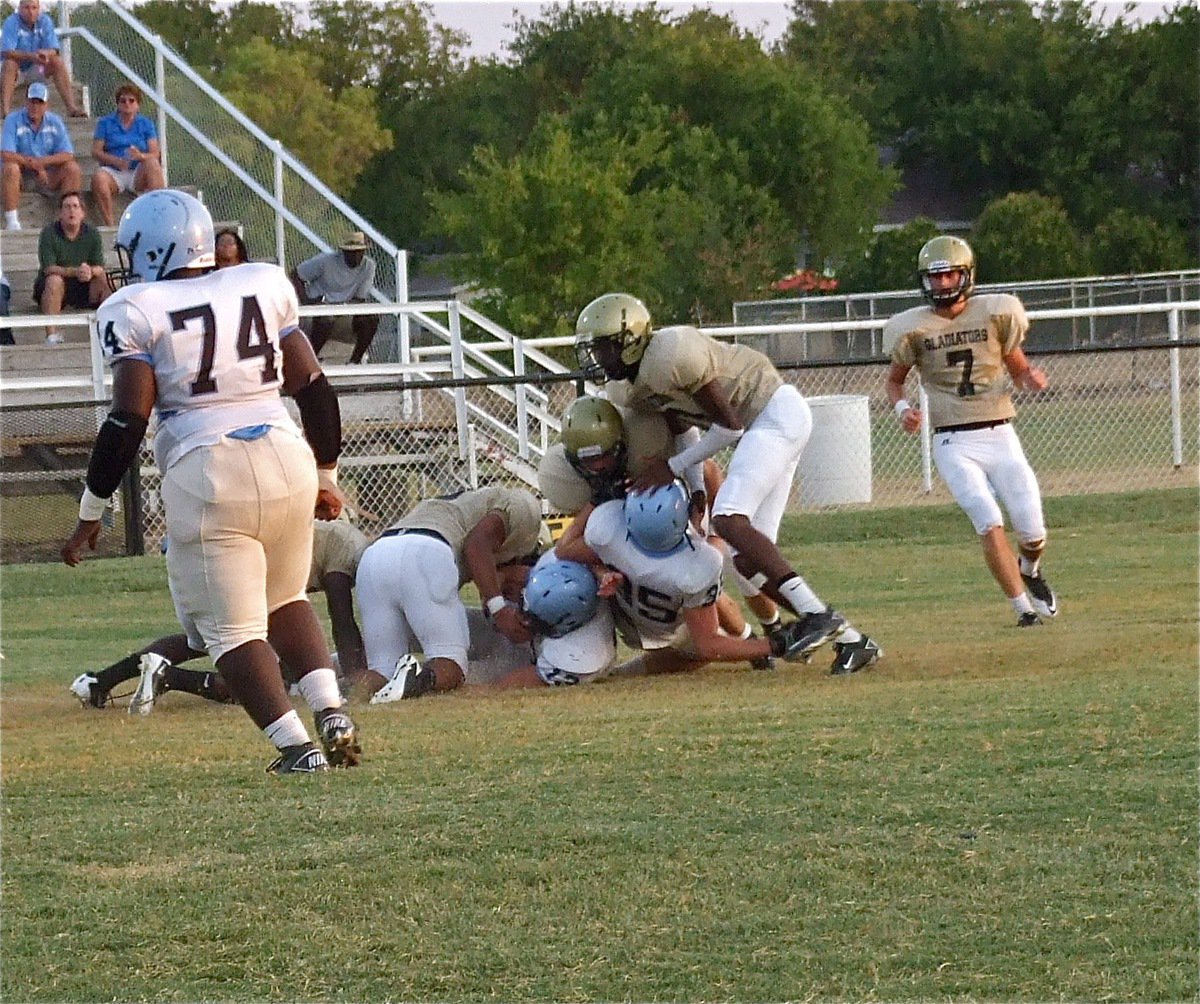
1041, 595
410, 680
339, 736
150, 685
87, 689
1029, 619
304, 758
799, 639
763, 662
851, 656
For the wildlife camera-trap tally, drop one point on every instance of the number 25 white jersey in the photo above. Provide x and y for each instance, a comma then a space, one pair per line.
649, 607
214, 344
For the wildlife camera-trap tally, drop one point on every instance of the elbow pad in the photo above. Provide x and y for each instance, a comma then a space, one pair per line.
115, 449
715, 439
321, 418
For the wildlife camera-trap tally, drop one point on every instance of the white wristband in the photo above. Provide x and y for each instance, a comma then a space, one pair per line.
901, 407
91, 506
327, 477
495, 605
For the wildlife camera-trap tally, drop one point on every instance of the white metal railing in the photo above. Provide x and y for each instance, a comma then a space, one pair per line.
154, 82
530, 436
1082, 291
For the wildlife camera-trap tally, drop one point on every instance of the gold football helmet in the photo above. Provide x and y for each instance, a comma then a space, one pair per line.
946, 254
592, 427
615, 316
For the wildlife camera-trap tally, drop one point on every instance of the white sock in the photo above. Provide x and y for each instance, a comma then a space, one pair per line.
320, 689
1028, 567
799, 596
287, 730
11, 220
850, 634
1021, 604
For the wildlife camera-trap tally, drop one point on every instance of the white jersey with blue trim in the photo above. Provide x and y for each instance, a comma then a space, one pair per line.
214, 344
649, 606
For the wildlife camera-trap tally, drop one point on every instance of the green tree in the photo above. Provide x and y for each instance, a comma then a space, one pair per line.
804, 147
1025, 236
204, 34
543, 231
395, 48
1009, 96
335, 137
891, 261
488, 104
1125, 243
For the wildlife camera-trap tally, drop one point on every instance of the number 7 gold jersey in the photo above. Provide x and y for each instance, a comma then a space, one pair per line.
961, 361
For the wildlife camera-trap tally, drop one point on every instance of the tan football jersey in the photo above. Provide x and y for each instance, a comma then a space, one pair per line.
456, 516
337, 547
961, 361
681, 360
647, 437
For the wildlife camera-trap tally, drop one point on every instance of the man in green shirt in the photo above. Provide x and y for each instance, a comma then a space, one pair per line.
71, 260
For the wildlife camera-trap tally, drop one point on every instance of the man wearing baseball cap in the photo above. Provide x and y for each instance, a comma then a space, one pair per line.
35, 146
342, 276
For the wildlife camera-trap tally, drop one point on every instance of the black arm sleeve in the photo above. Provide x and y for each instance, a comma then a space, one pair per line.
115, 449
321, 418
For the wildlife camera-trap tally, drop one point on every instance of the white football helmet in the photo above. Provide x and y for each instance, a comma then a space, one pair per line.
160, 232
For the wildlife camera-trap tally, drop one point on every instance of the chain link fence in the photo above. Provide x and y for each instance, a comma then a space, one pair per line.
1108, 422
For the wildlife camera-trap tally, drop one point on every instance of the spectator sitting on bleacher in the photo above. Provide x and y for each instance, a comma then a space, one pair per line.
34, 142
344, 277
71, 260
125, 145
29, 50
230, 249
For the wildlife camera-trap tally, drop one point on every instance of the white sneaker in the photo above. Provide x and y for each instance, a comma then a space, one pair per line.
149, 686
393, 690
54, 338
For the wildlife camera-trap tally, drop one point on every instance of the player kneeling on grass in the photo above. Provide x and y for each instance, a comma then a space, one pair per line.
962, 346
409, 579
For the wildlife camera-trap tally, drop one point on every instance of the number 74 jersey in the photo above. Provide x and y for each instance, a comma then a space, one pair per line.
213, 342
961, 361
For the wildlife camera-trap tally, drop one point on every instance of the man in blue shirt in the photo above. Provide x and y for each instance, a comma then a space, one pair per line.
125, 146
34, 143
29, 50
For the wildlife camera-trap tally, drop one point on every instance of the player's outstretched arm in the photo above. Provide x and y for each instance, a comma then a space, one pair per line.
115, 448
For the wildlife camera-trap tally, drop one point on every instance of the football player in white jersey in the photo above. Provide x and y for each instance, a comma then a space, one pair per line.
667, 583
736, 395
962, 346
212, 351
572, 628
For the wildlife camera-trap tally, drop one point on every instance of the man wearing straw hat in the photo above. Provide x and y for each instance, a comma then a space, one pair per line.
342, 276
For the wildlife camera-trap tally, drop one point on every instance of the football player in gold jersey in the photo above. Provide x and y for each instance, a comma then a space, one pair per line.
602, 447
962, 346
736, 395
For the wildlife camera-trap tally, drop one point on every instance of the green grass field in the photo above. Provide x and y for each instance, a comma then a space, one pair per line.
991, 814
